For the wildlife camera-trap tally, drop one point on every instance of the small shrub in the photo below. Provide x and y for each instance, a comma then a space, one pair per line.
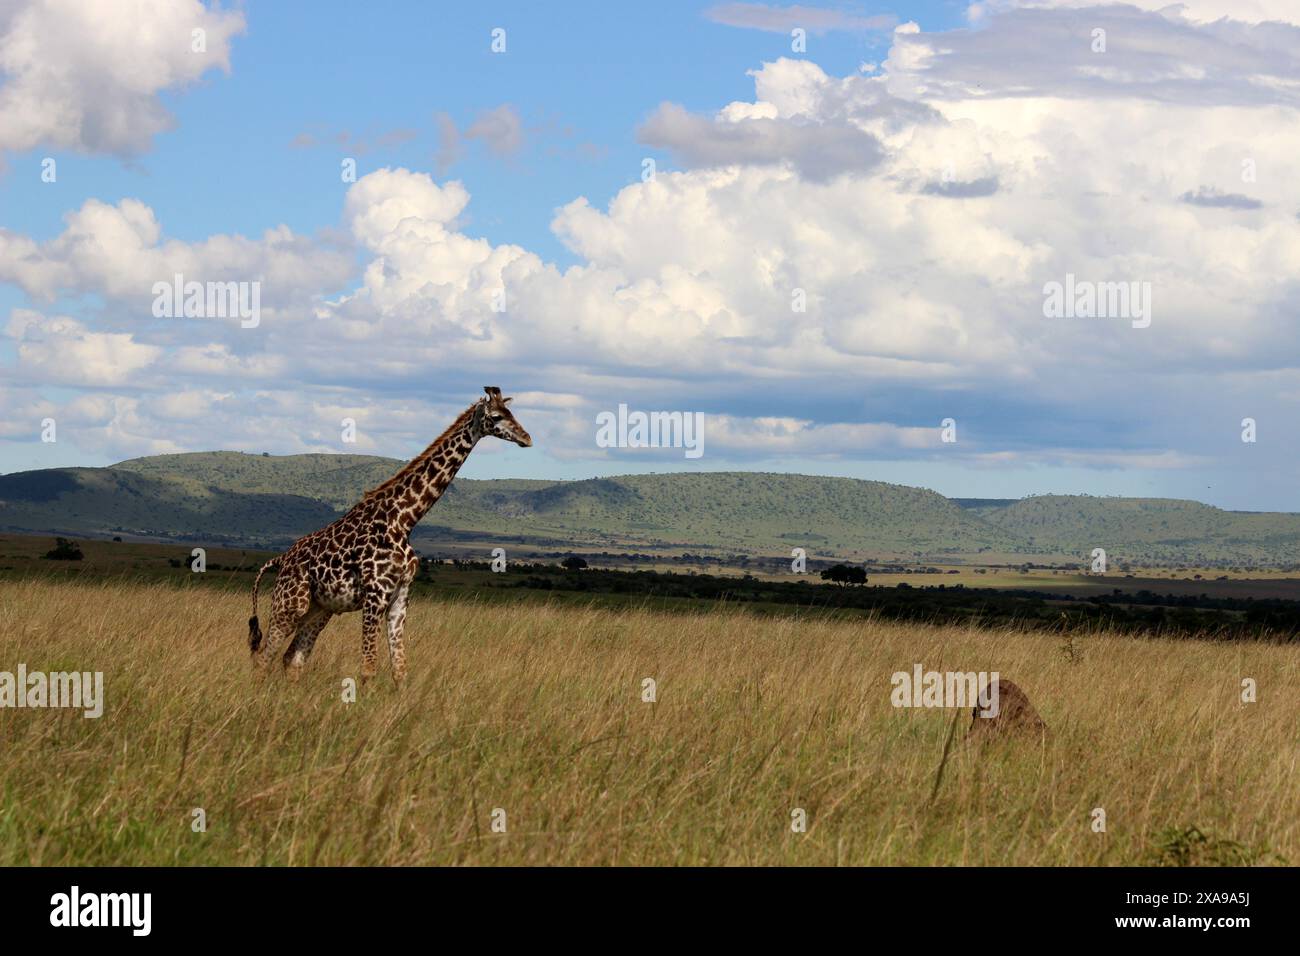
1189, 846
64, 550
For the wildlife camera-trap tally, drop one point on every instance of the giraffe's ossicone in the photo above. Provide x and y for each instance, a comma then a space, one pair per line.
364, 561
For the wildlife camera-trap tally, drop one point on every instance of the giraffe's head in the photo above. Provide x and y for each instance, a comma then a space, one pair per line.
492, 417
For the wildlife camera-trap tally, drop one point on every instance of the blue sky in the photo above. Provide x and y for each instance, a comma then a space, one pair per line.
582, 74
919, 171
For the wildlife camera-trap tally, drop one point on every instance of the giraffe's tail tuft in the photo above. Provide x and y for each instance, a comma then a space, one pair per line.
254, 631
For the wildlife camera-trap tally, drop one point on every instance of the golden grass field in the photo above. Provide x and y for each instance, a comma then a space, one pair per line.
537, 710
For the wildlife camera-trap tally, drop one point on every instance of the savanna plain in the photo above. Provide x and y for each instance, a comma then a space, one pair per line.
525, 735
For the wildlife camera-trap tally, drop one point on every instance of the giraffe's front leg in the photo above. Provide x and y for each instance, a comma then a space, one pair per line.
373, 612
396, 621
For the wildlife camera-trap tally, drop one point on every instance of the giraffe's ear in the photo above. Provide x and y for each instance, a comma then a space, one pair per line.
507, 401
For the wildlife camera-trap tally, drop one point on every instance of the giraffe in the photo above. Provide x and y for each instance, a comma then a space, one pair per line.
364, 561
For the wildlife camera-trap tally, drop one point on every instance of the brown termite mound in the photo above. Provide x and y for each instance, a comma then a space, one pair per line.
1014, 716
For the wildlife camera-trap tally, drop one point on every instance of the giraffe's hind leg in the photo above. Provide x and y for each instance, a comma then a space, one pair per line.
299, 649
289, 605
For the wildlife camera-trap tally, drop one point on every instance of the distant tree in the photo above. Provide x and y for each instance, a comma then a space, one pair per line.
266, 454
64, 550
117, 538
573, 563
845, 574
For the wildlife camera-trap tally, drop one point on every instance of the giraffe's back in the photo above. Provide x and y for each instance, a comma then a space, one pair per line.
342, 560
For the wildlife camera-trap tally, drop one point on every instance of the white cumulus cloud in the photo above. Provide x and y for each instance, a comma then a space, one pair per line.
85, 75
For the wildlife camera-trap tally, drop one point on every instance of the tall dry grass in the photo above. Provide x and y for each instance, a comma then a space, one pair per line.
537, 710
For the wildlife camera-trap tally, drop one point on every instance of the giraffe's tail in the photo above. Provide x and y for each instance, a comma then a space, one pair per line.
255, 631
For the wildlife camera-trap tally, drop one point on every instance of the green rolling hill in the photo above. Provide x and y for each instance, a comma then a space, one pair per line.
738, 511
1160, 529
338, 480
102, 501
250, 500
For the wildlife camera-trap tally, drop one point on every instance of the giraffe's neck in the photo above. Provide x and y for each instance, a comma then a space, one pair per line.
417, 487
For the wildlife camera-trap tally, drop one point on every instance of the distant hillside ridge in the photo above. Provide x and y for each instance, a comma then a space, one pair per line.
266, 500
1164, 529
105, 501
740, 511
339, 480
